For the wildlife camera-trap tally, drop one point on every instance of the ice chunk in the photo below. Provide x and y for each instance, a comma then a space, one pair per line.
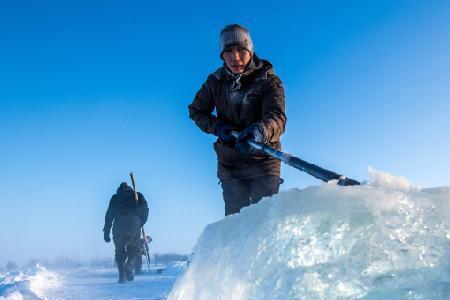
384, 240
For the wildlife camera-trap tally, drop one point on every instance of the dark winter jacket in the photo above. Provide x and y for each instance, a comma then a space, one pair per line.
257, 96
124, 214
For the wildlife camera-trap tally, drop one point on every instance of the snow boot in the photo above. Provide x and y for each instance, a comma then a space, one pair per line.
129, 271
121, 268
121, 279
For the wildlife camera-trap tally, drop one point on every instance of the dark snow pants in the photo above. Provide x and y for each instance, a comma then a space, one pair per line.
138, 265
127, 247
239, 193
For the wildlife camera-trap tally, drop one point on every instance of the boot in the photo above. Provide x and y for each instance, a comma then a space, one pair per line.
138, 265
129, 269
121, 268
121, 279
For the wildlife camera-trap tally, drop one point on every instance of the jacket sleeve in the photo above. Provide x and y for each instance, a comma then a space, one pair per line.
110, 215
202, 107
143, 209
274, 119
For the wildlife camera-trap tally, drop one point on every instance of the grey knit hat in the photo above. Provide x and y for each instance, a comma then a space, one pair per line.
235, 35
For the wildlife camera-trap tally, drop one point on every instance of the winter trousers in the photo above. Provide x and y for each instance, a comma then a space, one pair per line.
127, 249
239, 193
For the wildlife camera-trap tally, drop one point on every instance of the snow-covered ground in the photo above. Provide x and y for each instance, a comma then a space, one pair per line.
31, 284
86, 283
383, 240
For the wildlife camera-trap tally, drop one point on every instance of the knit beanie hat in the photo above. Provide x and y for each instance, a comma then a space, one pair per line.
235, 35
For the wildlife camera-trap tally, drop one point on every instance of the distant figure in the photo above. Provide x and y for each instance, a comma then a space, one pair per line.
126, 217
245, 96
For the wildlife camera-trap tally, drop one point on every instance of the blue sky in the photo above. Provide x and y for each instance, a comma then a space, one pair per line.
91, 90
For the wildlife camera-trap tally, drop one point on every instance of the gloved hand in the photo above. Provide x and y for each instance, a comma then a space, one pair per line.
223, 131
106, 237
252, 132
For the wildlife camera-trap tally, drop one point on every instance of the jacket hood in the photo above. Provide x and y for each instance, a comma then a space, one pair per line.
123, 187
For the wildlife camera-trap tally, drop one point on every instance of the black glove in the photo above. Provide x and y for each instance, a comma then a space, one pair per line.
252, 132
106, 237
223, 132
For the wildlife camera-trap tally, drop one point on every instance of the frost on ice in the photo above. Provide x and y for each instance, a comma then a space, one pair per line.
384, 240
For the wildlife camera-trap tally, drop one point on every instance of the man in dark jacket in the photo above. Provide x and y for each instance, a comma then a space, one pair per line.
126, 217
248, 98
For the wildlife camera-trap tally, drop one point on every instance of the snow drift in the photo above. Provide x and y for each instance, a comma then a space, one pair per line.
383, 240
29, 285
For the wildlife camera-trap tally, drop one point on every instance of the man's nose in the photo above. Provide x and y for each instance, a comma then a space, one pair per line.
235, 55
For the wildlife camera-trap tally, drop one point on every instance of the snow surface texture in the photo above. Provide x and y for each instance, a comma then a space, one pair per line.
87, 284
384, 240
101, 284
29, 285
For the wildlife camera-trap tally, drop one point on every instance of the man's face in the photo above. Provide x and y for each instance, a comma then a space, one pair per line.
236, 58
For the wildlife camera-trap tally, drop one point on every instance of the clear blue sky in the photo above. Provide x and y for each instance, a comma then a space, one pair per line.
91, 90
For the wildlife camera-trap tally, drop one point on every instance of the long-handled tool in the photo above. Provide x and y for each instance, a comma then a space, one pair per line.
311, 169
144, 236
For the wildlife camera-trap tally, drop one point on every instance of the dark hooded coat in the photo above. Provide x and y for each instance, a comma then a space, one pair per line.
123, 214
256, 96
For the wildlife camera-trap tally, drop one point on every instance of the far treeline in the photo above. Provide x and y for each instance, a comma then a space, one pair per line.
97, 262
